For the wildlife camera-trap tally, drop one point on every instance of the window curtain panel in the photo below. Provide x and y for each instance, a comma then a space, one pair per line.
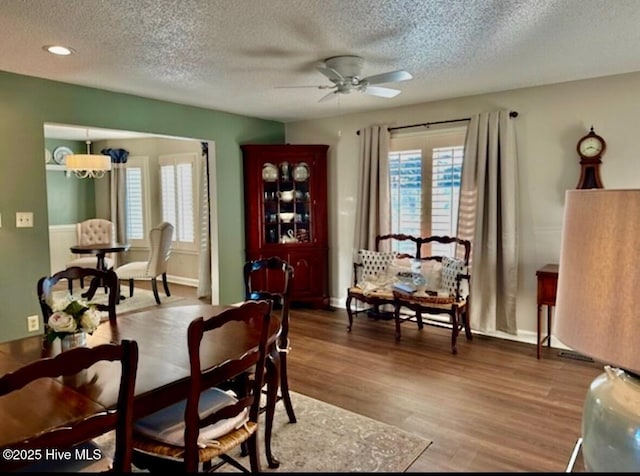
373, 205
118, 193
488, 217
204, 265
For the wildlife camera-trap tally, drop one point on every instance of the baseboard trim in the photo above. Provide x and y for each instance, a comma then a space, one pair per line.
191, 282
526, 337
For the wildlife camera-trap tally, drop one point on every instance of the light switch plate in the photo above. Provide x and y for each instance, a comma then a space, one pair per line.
24, 219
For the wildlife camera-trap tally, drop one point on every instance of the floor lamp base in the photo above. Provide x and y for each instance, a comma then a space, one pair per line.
611, 423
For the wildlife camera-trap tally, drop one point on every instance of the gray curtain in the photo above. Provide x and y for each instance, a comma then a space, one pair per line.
118, 192
204, 265
489, 219
373, 205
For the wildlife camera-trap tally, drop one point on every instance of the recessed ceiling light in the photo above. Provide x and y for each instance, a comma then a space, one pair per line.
59, 50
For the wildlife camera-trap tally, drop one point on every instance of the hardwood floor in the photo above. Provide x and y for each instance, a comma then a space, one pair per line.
492, 408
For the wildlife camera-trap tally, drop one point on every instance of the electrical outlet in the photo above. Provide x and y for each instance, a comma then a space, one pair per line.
33, 323
24, 219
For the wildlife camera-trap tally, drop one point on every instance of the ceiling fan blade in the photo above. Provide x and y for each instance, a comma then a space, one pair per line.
381, 92
331, 73
296, 87
390, 77
329, 96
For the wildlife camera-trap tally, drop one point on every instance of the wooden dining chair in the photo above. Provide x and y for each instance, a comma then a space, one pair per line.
272, 279
210, 422
77, 435
109, 279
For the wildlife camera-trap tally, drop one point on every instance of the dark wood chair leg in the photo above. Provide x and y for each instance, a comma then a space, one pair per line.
284, 388
70, 286
131, 288
154, 285
272, 378
396, 314
349, 312
454, 331
467, 324
165, 284
419, 320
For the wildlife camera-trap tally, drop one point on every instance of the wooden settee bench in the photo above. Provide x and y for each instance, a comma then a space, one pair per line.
376, 284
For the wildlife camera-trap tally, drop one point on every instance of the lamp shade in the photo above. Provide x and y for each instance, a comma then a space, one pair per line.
88, 162
598, 296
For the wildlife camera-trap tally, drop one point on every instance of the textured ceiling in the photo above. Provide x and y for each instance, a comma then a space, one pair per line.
233, 55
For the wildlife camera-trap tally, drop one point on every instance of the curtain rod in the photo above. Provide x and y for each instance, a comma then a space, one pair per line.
427, 124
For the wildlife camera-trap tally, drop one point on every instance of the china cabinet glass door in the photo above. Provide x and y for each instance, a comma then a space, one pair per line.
286, 216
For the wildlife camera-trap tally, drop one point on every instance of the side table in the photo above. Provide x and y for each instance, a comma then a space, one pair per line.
547, 287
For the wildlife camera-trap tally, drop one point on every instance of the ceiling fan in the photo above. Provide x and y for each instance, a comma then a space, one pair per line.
344, 73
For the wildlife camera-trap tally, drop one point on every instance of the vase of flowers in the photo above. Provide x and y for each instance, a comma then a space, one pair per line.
71, 320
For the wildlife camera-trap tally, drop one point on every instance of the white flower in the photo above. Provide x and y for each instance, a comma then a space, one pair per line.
90, 320
62, 322
59, 305
67, 318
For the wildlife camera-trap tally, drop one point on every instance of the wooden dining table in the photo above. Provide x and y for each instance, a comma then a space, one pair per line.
162, 377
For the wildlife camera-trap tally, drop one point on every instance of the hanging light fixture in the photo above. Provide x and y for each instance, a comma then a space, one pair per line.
88, 165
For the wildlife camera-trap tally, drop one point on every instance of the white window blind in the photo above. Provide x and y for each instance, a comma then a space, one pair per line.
425, 171
135, 220
137, 198
405, 169
178, 189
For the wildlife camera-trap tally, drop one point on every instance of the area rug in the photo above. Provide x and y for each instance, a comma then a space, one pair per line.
141, 298
329, 439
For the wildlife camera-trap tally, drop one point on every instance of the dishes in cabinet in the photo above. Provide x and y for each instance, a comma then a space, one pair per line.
286, 217
269, 172
60, 153
286, 196
301, 172
47, 156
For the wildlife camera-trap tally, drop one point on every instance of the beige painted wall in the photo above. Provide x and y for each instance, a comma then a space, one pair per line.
183, 265
550, 122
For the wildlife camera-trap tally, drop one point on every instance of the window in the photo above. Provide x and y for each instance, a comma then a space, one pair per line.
425, 171
178, 192
136, 178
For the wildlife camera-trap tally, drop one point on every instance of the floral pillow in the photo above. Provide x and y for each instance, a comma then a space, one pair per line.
451, 268
375, 263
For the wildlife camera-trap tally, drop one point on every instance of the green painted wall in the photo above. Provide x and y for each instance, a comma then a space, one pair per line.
71, 199
26, 103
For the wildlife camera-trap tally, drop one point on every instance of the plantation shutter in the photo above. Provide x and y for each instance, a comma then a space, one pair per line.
135, 204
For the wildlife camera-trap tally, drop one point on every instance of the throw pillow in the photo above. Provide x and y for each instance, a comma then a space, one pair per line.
432, 273
451, 268
375, 263
399, 267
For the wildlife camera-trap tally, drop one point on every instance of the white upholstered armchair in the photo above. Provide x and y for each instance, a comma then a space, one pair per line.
160, 239
90, 232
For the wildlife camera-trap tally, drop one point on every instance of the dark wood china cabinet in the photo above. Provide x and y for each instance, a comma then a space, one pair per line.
285, 190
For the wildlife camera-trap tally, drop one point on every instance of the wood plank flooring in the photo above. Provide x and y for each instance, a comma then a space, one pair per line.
493, 407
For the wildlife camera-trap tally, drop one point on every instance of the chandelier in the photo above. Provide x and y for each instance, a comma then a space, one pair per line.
88, 165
